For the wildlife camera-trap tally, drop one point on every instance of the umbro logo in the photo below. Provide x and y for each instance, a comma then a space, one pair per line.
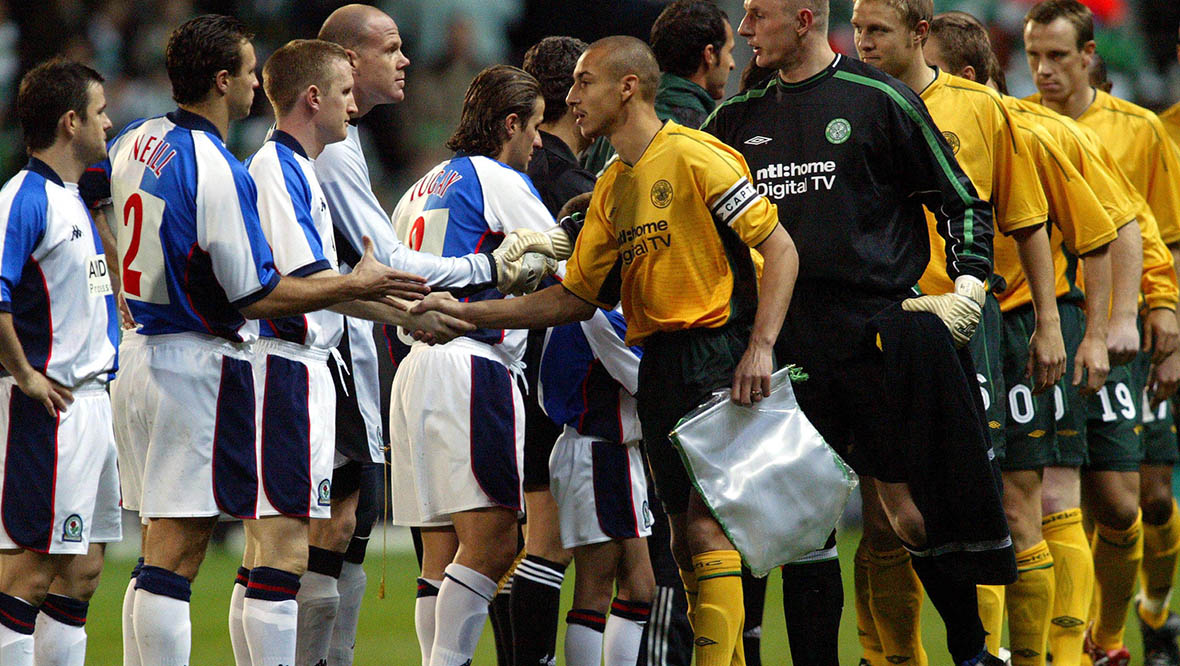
757, 140
704, 641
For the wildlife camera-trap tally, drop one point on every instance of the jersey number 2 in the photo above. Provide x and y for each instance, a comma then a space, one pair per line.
143, 257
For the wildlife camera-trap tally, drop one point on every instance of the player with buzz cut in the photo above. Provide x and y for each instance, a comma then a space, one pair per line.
1058, 37
309, 84
195, 265
890, 34
959, 44
839, 110
58, 336
335, 583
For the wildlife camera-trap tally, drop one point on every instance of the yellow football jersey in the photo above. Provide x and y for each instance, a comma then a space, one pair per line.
1158, 284
1138, 141
1171, 121
1081, 224
980, 131
668, 236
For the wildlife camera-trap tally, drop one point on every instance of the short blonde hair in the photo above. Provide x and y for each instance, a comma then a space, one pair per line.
297, 65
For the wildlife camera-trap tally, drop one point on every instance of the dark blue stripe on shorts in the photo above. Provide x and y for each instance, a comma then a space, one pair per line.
493, 432
612, 490
30, 470
235, 474
286, 436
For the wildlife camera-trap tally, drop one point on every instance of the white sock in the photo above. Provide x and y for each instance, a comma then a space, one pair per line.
583, 638
270, 616
621, 639
318, 603
352, 591
57, 642
130, 648
424, 606
459, 615
16, 649
163, 630
237, 630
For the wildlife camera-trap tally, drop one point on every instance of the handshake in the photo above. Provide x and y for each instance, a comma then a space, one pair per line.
526, 256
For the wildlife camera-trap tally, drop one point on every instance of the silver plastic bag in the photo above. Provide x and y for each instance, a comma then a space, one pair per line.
766, 474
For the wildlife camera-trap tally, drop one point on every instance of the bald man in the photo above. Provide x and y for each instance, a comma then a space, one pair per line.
686, 200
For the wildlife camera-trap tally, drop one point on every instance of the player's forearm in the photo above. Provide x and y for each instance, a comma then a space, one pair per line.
1036, 259
293, 296
552, 306
443, 272
779, 270
12, 353
965, 223
1097, 274
377, 311
1126, 267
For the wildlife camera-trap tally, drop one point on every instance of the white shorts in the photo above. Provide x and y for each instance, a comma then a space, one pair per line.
296, 423
456, 424
600, 489
107, 524
186, 406
51, 468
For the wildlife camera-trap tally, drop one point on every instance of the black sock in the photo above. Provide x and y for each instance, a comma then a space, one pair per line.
501, 619
813, 599
754, 597
536, 602
958, 606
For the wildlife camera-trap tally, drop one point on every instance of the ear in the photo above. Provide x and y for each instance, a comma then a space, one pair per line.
709, 58
352, 58
221, 81
921, 32
629, 85
969, 73
68, 124
512, 124
312, 96
1088, 50
804, 19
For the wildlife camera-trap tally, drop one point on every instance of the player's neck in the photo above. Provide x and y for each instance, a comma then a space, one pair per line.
61, 158
634, 134
813, 58
565, 129
1074, 105
215, 111
918, 76
303, 132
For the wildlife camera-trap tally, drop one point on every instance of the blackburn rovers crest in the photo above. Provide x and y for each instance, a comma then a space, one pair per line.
72, 528
324, 492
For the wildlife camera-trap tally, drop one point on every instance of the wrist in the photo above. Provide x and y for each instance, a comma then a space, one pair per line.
761, 342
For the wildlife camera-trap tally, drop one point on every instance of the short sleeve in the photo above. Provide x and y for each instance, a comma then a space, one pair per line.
725, 182
510, 200
1016, 190
1073, 206
1163, 184
23, 228
594, 272
95, 185
284, 209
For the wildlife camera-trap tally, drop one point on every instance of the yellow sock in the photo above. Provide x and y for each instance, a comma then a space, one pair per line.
895, 597
1161, 546
1117, 554
720, 612
689, 579
991, 614
866, 628
1030, 606
1073, 576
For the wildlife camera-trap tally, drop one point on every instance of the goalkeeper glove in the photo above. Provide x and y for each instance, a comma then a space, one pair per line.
960, 310
523, 275
553, 242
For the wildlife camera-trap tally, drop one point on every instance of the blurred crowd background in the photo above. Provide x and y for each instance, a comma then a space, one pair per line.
449, 41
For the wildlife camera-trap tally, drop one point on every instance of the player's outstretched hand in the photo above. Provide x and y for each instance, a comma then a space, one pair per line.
377, 280
439, 301
1122, 340
1163, 380
1161, 335
1091, 365
751, 379
524, 275
1046, 357
44, 390
960, 310
437, 328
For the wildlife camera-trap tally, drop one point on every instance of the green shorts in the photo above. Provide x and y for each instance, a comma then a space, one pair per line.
1029, 431
1157, 428
987, 351
1113, 424
1071, 408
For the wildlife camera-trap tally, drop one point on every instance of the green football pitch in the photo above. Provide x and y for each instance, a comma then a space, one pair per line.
386, 634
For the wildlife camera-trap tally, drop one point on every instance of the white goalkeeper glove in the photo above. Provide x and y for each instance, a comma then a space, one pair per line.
523, 275
553, 242
960, 310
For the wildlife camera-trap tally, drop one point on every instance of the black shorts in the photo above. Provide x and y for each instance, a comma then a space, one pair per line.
540, 433
827, 334
677, 373
352, 434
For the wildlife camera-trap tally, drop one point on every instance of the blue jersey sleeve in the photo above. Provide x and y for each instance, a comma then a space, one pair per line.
23, 227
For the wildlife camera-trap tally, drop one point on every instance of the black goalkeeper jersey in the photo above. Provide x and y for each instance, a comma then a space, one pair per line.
850, 156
